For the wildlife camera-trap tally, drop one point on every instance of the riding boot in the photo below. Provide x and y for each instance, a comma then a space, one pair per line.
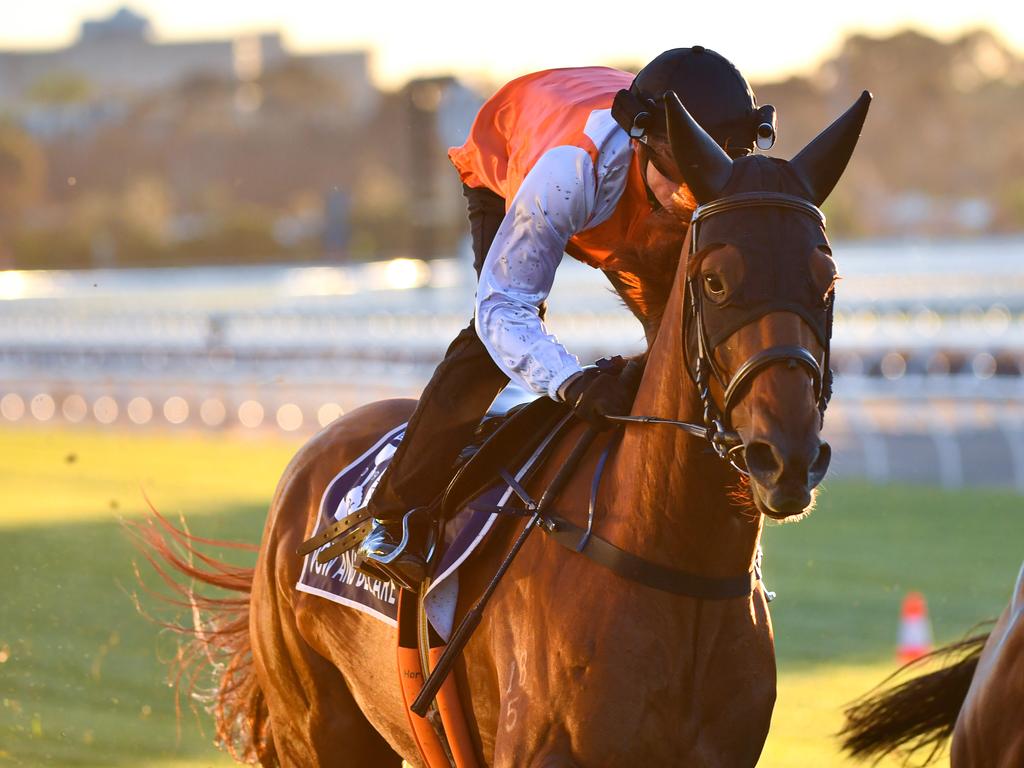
451, 406
396, 548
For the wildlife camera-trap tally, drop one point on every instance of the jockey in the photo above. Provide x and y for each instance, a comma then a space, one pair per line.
561, 161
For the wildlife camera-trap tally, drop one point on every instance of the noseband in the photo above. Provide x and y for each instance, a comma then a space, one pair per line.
717, 428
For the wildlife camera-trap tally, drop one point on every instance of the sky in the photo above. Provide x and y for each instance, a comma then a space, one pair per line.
495, 40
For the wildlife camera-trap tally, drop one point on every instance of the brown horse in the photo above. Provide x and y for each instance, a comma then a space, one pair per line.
977, 698
573, 664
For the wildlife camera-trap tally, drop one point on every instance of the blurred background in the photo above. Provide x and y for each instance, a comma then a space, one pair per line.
223, 227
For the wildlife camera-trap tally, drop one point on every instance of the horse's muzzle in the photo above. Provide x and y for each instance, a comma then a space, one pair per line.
784, 473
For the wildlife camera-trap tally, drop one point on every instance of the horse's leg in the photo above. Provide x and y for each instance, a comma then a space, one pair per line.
315, 721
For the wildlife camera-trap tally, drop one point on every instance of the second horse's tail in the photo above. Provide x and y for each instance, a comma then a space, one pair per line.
917, 714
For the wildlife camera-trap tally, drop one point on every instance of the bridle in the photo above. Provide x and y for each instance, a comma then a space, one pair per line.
717, 427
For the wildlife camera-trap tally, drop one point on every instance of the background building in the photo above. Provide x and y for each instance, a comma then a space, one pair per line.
119, 58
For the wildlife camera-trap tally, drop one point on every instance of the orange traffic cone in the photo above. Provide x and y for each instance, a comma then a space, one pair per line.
915, 638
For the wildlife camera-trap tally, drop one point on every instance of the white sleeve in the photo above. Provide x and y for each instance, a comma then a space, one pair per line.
554, 202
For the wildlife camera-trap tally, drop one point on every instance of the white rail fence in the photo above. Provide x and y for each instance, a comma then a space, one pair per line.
929, 350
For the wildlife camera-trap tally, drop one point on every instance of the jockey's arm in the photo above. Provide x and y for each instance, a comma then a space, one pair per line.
555, 200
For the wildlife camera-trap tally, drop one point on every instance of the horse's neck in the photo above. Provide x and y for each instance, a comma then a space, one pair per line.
668, 495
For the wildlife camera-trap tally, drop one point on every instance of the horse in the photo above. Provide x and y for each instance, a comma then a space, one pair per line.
973, 702
573, 664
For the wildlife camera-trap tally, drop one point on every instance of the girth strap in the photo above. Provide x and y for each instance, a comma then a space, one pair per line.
645, 572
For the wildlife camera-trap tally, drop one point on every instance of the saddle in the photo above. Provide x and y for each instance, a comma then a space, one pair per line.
502, 443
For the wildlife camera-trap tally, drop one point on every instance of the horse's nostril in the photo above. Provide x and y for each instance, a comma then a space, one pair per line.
820, 465
761, 460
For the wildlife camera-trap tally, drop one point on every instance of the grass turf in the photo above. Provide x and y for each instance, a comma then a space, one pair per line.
80, 679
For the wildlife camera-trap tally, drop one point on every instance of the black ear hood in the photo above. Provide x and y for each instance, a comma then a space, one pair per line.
775, 244
704, 165
707, 169
820, 164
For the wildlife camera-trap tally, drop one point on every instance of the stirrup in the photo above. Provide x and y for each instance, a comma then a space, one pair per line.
402, 563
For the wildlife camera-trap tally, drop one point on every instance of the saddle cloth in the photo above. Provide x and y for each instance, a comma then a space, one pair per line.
339, 581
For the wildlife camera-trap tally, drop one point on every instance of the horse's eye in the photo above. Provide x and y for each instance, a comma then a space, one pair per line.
713, 284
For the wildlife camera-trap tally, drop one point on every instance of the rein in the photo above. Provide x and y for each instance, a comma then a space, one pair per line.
635, 568
716, 428
624, 564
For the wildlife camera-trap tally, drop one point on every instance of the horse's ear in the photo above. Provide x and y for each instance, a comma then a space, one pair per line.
704, 165
820, 164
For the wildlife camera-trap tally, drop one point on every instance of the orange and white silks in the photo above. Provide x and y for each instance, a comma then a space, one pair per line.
560, 108
572, 184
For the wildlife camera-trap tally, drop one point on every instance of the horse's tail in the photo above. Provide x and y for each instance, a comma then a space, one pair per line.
917, 714
213, 665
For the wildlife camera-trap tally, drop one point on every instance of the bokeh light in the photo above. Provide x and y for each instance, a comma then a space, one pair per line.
928, 322
74, 408
289, 417
12, 406
984, 365
43, 407
12, 284
328, 412
176, 409
213, 412
105, 409
250, 414
140, 410
893, 366
997, 319
402, 274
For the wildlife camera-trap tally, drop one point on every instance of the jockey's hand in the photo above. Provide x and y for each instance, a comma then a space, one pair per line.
595, 394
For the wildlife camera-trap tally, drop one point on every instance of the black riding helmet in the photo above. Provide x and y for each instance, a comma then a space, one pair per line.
711, 89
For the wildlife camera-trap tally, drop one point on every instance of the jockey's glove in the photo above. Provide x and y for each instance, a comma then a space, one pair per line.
594, 394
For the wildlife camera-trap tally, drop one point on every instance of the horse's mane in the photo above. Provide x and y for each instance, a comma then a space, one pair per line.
647, 267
